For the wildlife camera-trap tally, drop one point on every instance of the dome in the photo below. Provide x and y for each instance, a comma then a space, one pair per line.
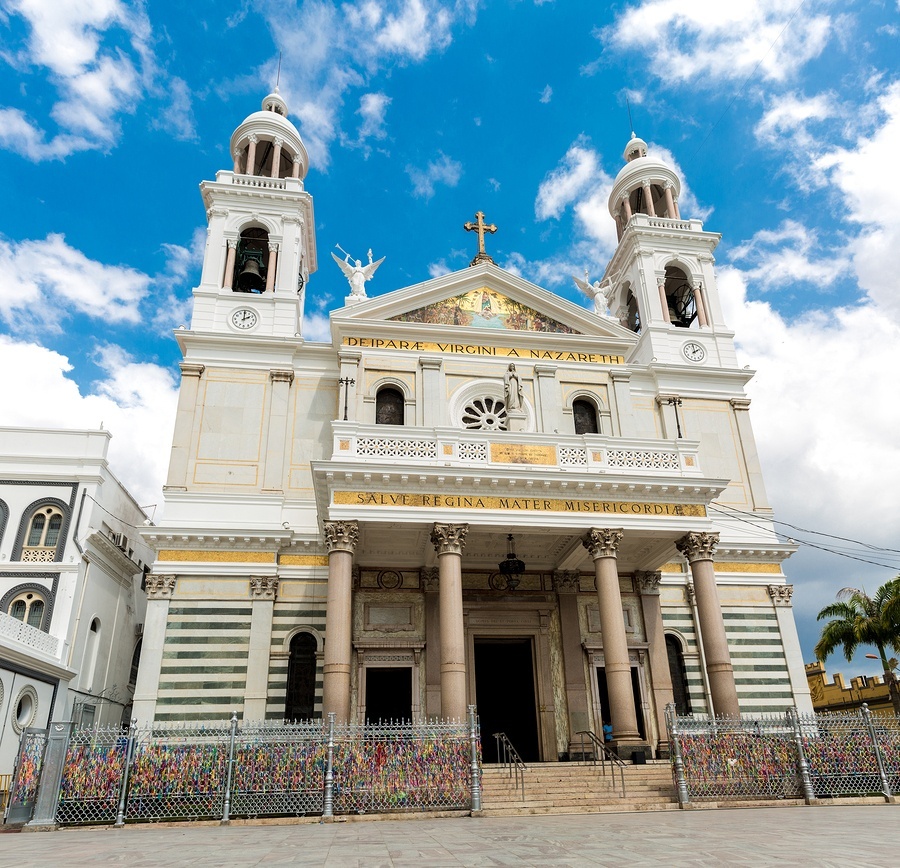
638, 171
271, 124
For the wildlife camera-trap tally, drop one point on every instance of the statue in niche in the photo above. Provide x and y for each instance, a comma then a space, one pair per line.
512, 387
357, 274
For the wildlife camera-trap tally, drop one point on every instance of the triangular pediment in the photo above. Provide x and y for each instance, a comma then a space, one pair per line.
482, 297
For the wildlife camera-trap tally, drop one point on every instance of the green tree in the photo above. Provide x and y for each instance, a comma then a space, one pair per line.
857, 619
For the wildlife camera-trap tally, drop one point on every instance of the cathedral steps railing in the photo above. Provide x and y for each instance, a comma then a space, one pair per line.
604, 755
509, 760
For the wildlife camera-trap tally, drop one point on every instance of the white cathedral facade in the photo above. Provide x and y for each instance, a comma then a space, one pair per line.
477, 493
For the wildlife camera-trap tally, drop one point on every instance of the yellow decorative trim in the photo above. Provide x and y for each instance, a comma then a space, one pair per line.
345, 445
519, 453
735, 567
480, 350
217, 557
671, 568
448, 449
597, 456
303, 560
529, 504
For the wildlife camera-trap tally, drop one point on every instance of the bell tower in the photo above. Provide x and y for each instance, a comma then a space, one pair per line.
661, 280
261, 245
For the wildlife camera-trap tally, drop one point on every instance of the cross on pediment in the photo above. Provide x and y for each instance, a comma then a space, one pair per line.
480, 227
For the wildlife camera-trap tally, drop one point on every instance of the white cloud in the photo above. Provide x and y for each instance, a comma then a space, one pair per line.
436, 269
862, 177
372, 109
788, 116
134, 401
546, 94
704, 42
787, 255
317, 327
95, 78
442, 170
40, 281
178, 119
328, 49
577, 171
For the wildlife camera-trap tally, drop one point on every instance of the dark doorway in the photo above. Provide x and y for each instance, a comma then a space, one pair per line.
504, 692
603, 693
300, 698
388, 693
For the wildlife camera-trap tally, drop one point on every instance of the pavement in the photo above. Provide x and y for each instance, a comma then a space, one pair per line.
844, 836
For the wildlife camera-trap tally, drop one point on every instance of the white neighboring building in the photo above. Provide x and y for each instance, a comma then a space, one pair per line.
71, 583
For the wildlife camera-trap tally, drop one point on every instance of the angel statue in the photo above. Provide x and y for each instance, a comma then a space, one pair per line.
357, 274
596, 292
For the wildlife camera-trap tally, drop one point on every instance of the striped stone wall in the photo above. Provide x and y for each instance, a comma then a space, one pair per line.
757, 654
204, 666
680, 621
289, 617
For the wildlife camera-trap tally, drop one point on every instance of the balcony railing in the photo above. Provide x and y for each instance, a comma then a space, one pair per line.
481, 449
25, 634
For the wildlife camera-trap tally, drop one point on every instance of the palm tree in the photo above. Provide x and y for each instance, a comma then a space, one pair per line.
858, 619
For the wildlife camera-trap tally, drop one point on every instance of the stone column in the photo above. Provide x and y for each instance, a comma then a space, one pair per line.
184, 425
663, 301
648, 195
577, 700
621, 395
279, 404
548, 392
263, 590
249, 169
271, 266
702, 318
276, 157
660, 676
432, 394
296, 172
340, 540
237, 161
603, 543
430, 581
228, 279
670, 202
626, 209
741, 407
159, 593
790, 641
449, 540
699, 549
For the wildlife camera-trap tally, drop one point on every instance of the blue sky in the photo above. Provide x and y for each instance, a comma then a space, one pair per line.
782, 117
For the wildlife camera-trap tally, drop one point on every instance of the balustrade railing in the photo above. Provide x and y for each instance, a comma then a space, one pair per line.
19, 631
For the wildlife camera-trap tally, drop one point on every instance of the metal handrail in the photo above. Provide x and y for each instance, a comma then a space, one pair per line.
609, 756
508, 757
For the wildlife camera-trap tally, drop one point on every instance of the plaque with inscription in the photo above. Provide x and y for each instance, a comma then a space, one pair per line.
520, 453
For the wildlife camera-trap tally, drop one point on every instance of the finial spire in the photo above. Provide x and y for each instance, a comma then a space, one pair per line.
480, 227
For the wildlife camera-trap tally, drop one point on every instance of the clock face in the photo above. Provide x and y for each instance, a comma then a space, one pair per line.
693, 352
243, 318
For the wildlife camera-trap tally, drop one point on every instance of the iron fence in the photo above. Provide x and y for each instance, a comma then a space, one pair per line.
789, 756
26, 775
252, 770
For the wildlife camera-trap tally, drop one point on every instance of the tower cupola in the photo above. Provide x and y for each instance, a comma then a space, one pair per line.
268, 145
643, 186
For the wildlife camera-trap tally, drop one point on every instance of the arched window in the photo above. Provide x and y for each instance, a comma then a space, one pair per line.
28, 607
252, 261
389, 406
300, 700
677, 670
682, 306
43, 534
135, 662
585, 414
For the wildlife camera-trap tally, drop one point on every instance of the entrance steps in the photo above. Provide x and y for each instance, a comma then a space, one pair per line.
577, 788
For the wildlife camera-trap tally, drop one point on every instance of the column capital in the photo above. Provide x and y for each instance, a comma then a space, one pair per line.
253, 138
648, 582
189, 369
781, 594
431, 363
273, 247
602, 542
620, 376
297, 159
278, 141
449, 539
545, 370
160, 587
666, 399
698, 546
566, 581
740, 403
263, 587
232, 243
281, 376
429, 578
341, 536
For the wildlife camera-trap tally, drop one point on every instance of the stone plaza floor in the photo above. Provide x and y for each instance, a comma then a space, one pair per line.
844, 836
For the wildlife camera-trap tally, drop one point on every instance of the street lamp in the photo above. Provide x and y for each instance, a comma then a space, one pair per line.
511, 568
